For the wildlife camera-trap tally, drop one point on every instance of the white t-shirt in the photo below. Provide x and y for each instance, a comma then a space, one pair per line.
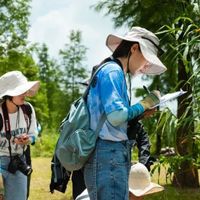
18, 126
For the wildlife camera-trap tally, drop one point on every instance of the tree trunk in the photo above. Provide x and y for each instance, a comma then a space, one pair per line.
187, 174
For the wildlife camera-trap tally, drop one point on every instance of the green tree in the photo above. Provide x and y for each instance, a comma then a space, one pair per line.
13, 33
72, 57
183, 51
50, 76
14, 24
23, 62
184, 39
150, 14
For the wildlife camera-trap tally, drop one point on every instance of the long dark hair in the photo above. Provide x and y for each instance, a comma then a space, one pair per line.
7, 97
123, 49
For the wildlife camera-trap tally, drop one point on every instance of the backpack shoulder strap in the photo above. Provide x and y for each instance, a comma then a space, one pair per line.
98, 68
27, 110
1, 117
1, 122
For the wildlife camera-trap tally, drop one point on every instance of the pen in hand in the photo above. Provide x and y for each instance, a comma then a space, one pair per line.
146, 89
148, 92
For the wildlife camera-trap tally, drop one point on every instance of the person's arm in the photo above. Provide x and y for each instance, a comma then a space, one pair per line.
118, 117
143, 144
112, 95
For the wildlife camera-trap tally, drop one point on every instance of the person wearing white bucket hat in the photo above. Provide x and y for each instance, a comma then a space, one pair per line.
14, 83
18, 131
140, 184
148, 43
108, 167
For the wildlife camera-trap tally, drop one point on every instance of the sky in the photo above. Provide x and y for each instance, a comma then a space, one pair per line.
51, 22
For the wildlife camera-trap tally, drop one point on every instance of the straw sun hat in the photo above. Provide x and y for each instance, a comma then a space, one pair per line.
149, 45
140, 181
14, 83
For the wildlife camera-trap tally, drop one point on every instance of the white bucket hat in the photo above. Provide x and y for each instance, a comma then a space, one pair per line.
14, 83
148, 44
140, 181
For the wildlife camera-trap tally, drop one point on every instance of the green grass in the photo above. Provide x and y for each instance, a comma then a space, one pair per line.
41, 179
171, 193
44, 147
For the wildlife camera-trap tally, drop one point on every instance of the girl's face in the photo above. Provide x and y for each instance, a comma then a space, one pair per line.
137, 62
19, 100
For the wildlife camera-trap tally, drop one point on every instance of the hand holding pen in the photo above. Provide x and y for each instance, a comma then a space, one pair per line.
151, 99
146, 89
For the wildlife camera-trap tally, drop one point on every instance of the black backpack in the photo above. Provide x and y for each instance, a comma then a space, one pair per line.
59, 176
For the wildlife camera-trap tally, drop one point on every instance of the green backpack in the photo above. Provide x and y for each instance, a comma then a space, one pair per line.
77, 141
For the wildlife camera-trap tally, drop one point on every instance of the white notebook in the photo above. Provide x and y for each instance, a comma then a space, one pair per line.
169, 97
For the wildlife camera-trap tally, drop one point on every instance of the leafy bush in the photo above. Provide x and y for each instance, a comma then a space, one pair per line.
44, 146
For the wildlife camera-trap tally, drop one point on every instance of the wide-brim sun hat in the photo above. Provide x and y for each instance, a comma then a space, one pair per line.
14, 83
149, 45
140, 181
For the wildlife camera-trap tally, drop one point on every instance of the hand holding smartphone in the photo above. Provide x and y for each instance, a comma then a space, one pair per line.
21, 139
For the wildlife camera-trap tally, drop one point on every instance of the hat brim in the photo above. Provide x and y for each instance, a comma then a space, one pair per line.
113, 41
31, 87
151, 188
156, 66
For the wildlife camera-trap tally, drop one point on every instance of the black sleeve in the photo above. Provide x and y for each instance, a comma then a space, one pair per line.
1, 122
143, 144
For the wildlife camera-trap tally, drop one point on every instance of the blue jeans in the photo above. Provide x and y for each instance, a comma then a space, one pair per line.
106, 172
15, 184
